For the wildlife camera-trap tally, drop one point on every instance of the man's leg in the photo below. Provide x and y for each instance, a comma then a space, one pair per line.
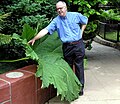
79, 63
68, 54
74, 54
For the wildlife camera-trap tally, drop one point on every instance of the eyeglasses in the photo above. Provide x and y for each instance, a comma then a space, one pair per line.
60, 8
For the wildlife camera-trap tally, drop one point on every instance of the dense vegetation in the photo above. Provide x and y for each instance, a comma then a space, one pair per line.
31, 12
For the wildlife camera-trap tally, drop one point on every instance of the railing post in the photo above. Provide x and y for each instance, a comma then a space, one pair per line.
118, 32
105, 31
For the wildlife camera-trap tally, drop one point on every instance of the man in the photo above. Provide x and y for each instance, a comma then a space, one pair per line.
67, 24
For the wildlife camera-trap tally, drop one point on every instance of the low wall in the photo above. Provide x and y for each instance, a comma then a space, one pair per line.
98, 39
20, 86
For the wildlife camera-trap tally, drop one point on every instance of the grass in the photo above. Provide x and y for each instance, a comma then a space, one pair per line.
110, 36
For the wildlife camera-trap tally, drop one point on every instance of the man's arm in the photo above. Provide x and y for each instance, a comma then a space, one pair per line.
83, 28
42, 33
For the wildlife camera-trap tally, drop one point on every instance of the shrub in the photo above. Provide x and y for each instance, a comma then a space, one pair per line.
31, 12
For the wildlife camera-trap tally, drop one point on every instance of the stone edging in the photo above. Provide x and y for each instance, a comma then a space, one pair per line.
107, 43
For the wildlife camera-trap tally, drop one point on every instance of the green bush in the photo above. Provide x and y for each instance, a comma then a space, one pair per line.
110, 15
31, 12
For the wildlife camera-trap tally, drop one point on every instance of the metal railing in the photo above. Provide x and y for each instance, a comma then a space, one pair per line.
110, 32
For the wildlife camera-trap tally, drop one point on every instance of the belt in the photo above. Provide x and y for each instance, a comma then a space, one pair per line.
74, 42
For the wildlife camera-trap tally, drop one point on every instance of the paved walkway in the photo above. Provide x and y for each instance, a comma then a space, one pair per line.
102, 77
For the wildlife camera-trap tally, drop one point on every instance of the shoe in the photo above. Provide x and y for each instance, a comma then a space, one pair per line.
81, 93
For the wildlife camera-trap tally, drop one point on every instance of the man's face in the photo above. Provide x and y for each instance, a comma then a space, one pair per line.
61, 9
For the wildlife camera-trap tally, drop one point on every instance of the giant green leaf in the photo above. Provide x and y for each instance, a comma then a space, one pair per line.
54, 70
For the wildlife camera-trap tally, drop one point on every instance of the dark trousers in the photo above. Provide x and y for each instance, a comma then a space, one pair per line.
74, 55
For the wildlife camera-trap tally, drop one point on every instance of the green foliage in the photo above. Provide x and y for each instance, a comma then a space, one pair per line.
91, 27
32, 12
110, 15
34, 20
5, 39
2, 17
28, 50
10, 49
13, 49
90, 7
48, 7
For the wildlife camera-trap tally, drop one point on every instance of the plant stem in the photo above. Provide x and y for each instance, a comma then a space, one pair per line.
14, 60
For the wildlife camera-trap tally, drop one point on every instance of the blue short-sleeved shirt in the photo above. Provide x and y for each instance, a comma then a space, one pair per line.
68, 27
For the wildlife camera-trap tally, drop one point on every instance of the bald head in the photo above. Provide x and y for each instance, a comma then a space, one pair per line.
61, 3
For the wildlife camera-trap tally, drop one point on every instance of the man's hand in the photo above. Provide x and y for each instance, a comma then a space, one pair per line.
32, 41
38, 36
